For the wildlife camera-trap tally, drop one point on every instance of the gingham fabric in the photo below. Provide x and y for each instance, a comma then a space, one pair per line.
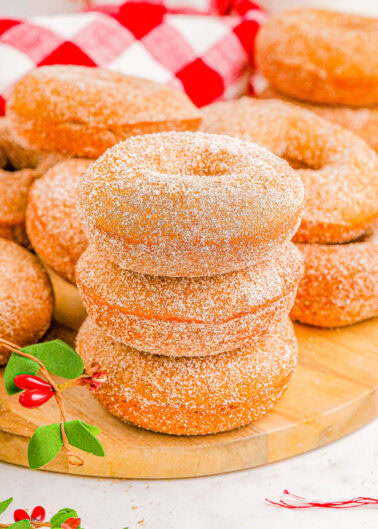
208, 56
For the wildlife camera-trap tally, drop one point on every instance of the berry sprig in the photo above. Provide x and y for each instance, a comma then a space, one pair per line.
64, 519
60, 359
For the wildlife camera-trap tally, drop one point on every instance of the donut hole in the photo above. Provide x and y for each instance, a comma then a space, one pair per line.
296, 163
205, 164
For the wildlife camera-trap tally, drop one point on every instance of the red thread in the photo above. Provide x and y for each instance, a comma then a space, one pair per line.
291, 501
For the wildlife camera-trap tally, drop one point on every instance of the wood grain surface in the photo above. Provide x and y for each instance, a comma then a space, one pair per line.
334, 391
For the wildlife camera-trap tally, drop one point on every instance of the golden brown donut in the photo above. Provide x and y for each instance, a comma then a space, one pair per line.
52, 222
13, 156
26, 299
340, 285
82, 111
189, 316
14, 189
188, 204
191, 396
363, 121
321, 56
19, 168
339, 170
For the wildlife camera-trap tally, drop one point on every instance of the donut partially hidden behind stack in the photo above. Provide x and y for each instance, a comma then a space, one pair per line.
71, 111
189, 279
339, 172
327, 62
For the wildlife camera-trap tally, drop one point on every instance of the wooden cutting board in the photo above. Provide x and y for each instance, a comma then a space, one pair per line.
334, 391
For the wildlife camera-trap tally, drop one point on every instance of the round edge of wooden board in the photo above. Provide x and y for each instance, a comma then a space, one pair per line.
206, 458
136, 453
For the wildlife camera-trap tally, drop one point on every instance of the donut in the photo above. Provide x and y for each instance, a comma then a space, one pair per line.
13, 156
188, 316
321, 56
52, 222
79, 111
26, 299
191, 396
340, 284
14, 189
19, 168
339, 170
188, 204
363, 121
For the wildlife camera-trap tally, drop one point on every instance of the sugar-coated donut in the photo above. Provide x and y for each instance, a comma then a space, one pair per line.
363, 121
188, 204
26, 299
189, 316
13, 156
321, 56
19, 168
339, 170
82, 111
340, 285
14, 189
191, 396
52, 222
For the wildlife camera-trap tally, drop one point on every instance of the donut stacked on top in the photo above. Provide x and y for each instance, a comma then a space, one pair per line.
337, 235
75, 112
188, 279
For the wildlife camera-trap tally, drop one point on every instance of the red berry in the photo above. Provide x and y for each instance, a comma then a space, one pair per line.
33, 398
71, 523
31, 382
20, 514
97, 380
38, 514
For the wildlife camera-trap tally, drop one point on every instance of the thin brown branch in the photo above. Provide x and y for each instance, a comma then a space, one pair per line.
72, 458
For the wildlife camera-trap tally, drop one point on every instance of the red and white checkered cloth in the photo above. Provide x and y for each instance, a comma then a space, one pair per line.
207, 55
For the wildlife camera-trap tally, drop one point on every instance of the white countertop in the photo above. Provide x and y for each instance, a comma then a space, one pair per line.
344, 469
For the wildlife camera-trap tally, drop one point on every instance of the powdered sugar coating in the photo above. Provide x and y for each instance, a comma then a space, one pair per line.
362, 120
82, 111
188, 204
321, 56
26, 300
191, 396
339, 170
189, 316
340, 285
52, 222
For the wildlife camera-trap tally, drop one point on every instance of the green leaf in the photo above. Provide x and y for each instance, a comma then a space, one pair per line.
22, 524
62, 515
93, 429
44, 445
58, 357
81, 436
5, 504
18, 365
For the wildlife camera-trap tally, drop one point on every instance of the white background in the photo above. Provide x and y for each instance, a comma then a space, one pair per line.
344, 469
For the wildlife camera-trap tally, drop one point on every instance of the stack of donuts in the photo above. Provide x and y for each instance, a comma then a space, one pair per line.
182, 238
301, 53
189, 279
